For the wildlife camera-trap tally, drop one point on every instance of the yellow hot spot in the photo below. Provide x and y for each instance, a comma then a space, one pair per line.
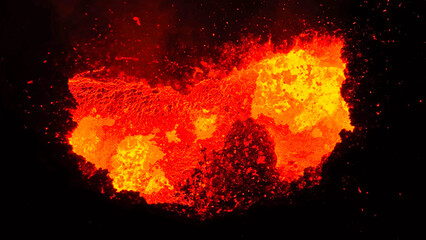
89, 140
172, 136
301, 90
297, 90
205, 126
135, 165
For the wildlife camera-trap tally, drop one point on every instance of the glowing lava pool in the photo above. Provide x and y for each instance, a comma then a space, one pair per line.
231, 140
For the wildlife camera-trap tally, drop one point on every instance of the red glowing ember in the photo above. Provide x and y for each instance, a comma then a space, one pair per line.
229, 141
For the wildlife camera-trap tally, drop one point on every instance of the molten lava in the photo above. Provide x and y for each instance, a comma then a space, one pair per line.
228, 142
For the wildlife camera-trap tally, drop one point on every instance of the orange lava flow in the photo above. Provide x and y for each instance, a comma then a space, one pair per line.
151, 140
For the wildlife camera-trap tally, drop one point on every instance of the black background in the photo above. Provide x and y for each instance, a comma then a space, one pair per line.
45, 194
